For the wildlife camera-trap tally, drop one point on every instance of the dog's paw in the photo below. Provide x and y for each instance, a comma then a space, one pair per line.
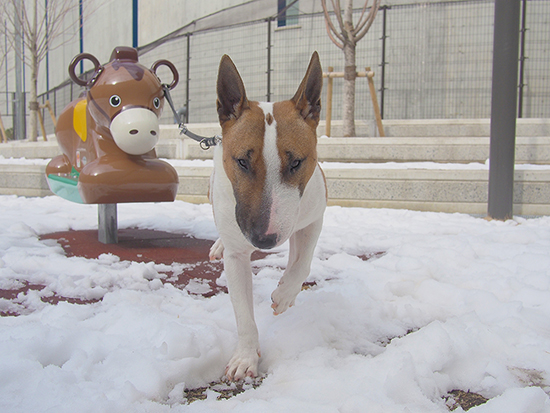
283, 297
244, 363
216, 250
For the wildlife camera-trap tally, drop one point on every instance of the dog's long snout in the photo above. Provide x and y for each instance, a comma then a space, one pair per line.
263, 241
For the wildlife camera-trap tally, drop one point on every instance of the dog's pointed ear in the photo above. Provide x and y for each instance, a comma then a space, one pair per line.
308, 95
231, 94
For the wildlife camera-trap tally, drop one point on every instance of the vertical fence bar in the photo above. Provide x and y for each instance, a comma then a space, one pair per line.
7, 71
81, 32
47, 35
135, 22
383, 62
522, 58
188, 65
503, 109
268, 95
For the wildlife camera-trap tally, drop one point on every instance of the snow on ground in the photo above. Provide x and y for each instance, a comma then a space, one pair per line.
454, 302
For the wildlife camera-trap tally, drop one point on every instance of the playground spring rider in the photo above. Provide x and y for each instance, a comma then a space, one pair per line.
107, 136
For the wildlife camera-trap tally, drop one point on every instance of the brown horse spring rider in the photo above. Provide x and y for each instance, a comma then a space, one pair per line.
108, 136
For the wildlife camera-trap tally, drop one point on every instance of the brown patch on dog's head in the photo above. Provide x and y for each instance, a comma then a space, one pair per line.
297, 145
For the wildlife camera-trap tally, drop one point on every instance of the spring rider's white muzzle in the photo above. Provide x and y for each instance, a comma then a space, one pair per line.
135, 130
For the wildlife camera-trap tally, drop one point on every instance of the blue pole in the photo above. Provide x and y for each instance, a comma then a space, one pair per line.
81, 32
47, 51
7, 74
135, 23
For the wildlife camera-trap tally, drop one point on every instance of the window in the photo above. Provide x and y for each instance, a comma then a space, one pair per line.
288, 13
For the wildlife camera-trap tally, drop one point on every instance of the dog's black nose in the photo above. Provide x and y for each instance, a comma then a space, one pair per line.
264, 241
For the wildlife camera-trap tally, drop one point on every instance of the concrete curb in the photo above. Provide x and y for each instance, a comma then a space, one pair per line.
438, 190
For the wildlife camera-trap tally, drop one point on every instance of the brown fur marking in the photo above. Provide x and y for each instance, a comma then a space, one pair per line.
243, 138
296, 141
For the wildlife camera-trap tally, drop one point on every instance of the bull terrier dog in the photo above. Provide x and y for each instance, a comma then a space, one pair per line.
266, 188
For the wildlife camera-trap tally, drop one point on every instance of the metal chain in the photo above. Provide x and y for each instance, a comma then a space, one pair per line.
204, 142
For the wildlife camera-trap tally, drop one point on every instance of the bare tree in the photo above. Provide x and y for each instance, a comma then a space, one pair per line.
346, 37
40, 23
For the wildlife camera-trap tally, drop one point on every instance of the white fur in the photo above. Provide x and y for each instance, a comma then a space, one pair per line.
284, 198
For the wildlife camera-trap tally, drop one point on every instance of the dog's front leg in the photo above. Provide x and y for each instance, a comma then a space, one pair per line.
239, 280
302, 246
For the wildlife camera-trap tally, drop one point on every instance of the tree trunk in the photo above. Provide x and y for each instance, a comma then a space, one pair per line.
33, 92
349, 72
33, 100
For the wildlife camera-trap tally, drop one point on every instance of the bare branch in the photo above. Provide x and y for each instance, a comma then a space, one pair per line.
365, 26
333, 34
335, 40
360, 22
338, 13
55, 24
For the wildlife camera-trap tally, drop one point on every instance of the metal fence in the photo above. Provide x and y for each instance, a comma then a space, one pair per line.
431, 61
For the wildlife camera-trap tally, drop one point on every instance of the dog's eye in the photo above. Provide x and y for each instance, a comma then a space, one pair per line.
243, 164
295, 164
156, 103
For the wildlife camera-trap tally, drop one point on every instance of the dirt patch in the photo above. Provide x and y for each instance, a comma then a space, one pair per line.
385, 341
370, 255
464, 399
225, 389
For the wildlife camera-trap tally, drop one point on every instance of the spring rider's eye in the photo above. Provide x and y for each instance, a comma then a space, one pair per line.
115, 101
156, 103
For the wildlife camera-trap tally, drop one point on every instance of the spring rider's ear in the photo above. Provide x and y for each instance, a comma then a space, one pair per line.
97, 69
172, 68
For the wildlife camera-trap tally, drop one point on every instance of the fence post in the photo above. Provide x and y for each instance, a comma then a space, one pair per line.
268, 94
188, 35
503, 109
383, 63
522, 58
